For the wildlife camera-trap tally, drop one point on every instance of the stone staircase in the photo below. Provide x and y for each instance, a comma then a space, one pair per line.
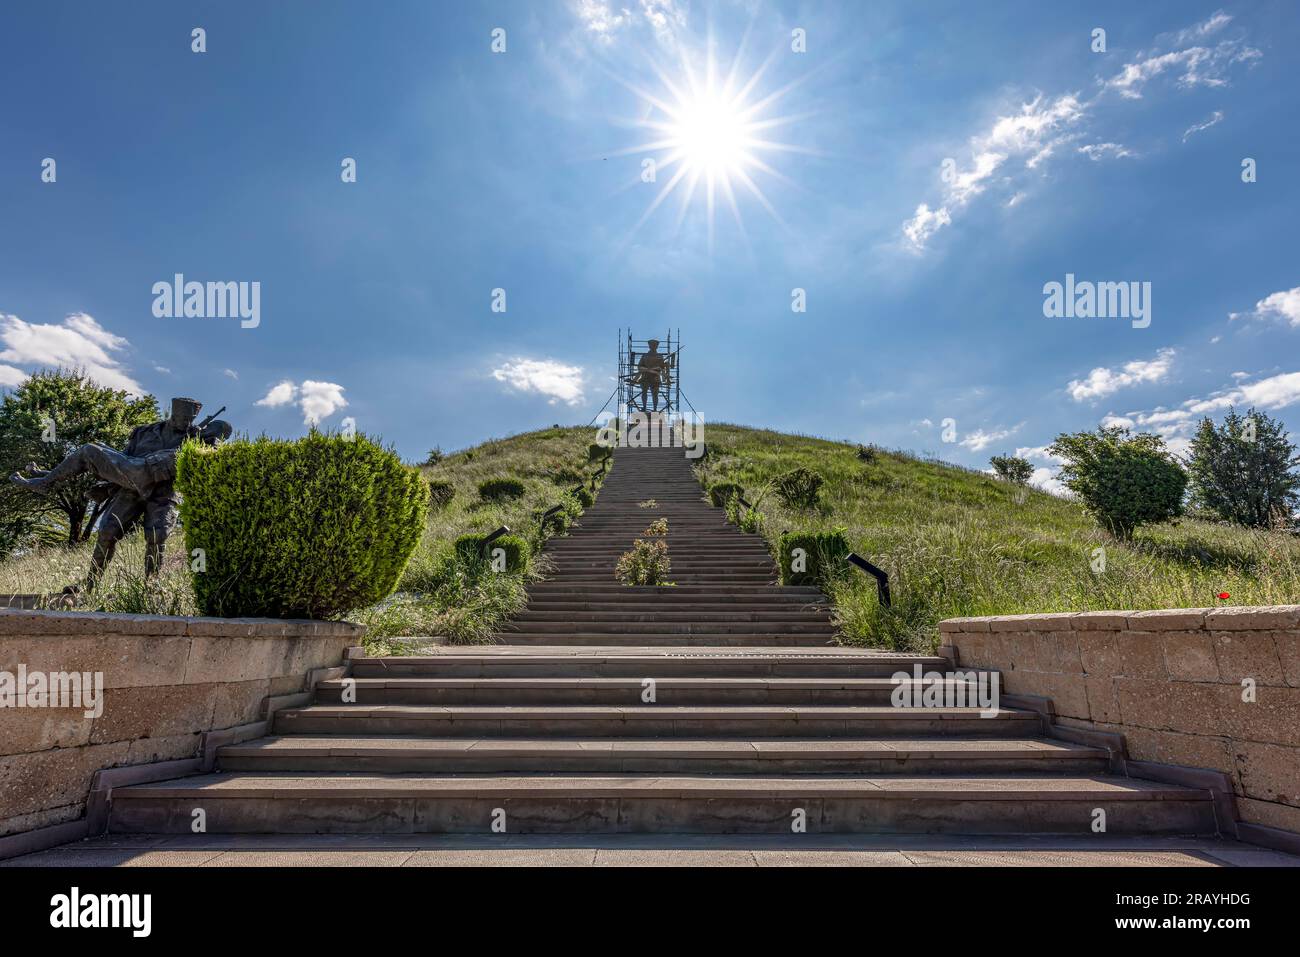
718, 705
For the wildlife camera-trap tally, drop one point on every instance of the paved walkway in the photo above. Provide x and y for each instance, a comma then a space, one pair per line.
435, 850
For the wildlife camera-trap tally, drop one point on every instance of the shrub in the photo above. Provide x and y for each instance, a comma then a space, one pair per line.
501, 489
658, 527
1123, 480
583, 497
720, 493
799, 488
469, 550
434, 456
648, 503
441, 492
596, 451
1010, 468
645, 564
823, 553
311, 528
1242, 470
866, 453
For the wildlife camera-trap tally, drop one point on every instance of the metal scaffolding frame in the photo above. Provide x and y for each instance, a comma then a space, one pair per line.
630, 351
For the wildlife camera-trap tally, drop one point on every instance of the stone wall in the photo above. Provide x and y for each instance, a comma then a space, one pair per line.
1173, 683
165, 680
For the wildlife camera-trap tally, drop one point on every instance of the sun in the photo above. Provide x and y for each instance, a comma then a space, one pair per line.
711, 135
709, 138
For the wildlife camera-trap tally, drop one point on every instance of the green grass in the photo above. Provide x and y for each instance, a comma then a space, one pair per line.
437, 595
957, 542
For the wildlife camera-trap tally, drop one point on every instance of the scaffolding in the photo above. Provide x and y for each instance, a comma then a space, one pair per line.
637, 378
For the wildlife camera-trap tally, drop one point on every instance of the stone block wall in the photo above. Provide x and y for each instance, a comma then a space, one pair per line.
1176, 684
165, 681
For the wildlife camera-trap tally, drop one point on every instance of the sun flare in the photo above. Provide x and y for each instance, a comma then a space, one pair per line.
707, 137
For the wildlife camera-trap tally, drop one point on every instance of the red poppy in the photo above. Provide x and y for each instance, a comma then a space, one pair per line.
1224, 595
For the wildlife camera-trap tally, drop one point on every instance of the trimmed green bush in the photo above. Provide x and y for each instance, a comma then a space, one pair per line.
441, 493
720, 493
311, 528
468, 549
799, 488
823, 552
500, 489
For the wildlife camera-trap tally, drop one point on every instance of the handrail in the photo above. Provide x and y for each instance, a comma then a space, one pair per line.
881, 576
487, 542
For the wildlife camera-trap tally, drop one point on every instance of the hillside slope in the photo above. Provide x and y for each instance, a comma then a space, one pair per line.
957, 542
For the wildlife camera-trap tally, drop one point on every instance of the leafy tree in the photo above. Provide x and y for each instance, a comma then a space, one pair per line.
1124, 480
1242, 470
1010, 468
48, 416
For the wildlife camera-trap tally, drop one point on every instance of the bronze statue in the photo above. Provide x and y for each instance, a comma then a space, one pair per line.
651, 369
137, 483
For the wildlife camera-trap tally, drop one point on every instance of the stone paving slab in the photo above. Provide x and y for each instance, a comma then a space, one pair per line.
575, 850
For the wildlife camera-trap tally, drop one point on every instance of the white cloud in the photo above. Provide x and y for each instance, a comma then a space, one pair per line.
77, 342
1046, 124
1102, 382
1038, 453
230, 374
1045, 479
925, 224
280, 394
10, 377
317, 400
606, 19
555, 380
979, 439
162, 369
1099, 151
1033, 132
1215, 117
320, 400
1278, 305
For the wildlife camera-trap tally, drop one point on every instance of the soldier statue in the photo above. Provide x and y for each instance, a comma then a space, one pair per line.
137, 484
652, 368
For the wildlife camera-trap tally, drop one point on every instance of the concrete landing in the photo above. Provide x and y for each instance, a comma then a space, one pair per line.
407, 850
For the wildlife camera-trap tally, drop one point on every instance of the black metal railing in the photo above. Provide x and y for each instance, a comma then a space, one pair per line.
881, 576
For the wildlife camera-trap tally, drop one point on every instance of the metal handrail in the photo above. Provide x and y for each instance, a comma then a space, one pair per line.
881, 576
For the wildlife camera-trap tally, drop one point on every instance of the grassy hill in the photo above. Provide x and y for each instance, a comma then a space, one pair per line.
955, 542
958, 542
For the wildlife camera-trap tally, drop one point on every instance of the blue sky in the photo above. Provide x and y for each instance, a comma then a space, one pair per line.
522, 171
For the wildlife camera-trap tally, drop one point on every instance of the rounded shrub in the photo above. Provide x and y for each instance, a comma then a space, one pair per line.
311, 528
799, 488
720, 493
469, 549
441, 492
820, 554
1123, 480
501, 489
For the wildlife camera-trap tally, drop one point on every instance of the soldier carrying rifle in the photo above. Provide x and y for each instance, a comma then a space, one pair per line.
137, 484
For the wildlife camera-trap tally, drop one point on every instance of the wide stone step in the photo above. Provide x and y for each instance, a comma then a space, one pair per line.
390, 755
243, 802
667, 690
705, 639
625, 615
665, 721
805, 625
634, 662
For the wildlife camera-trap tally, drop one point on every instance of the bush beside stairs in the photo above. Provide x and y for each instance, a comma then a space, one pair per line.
759, 722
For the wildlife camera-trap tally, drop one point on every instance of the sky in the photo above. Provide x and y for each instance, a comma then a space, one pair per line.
895, 187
